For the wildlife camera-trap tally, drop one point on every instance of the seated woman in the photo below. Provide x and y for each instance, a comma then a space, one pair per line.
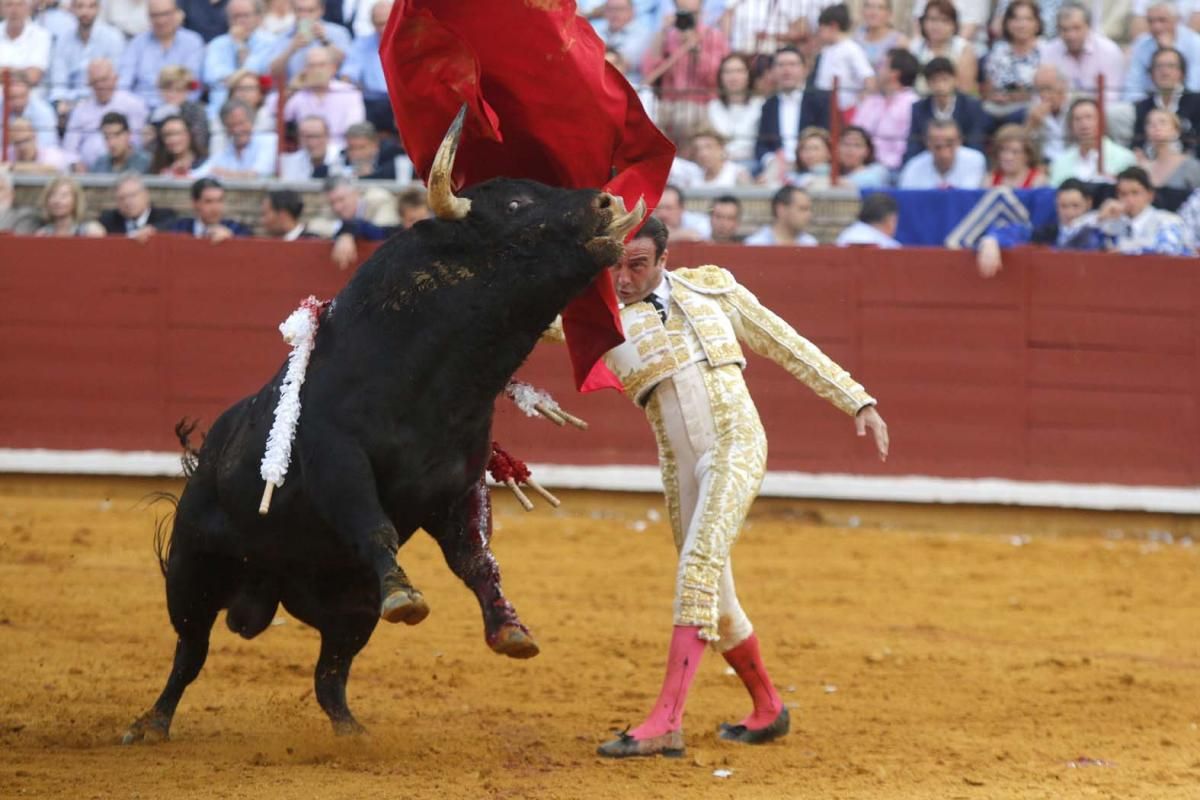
176, 153
708, 151
63, 210
857, 166
1015, 160
939, 38
1134, 227
1008, 72
175, 84
814, 154
734, 112
1162, 156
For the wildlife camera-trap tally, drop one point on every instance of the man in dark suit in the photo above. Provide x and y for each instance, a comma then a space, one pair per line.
134, 216
790, 110
946, 102
1167, 70
208, 201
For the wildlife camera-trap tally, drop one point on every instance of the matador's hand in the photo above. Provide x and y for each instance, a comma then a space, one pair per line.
869, 418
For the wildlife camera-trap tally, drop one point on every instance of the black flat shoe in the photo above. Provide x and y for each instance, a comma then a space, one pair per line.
740, 733
669, 745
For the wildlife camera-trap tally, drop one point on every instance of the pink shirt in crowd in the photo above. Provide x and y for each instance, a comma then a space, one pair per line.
888, 118
694, 76
341, 107
1100, 56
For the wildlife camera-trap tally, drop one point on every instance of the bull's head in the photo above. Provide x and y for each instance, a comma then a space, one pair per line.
526, 211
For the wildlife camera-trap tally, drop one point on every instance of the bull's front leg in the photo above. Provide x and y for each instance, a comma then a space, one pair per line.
465, 534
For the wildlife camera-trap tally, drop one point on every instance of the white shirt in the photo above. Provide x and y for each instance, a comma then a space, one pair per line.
685, 174
846, 60
133, 225
730, 176
30, 49
738, 124
967, 171
861, 233
297, 166
789, 121
294, 233
765, 236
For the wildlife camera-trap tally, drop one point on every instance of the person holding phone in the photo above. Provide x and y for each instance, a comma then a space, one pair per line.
682, 62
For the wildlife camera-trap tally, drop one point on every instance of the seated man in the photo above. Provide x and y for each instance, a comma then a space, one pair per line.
1133, 226
134, 216
791, 213
946, 164
876, 225
317, 157
24, 102
120, 154
1082, 159
246, 42
85, 125
308, 32
725, 218
413, 205
15, 219
247, 155
281, 210
318, 94
946, 102
364, 69
30, 156
1167, 71
208, 202
683, 225
365, 156
348, 206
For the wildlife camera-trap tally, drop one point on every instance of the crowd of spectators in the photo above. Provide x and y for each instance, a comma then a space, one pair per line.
795, 95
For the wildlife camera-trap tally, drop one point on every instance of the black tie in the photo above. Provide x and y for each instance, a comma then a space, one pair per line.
655, 301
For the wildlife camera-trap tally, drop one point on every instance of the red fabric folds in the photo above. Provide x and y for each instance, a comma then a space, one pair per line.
544, 105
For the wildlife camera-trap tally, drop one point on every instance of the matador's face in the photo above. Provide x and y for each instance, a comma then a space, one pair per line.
639, 271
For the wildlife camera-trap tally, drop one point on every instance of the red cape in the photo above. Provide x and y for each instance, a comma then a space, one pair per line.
542, 104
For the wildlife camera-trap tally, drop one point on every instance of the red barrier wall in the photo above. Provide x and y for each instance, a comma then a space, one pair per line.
1065, 367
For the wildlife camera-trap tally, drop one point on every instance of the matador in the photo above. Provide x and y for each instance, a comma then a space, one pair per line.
682, 363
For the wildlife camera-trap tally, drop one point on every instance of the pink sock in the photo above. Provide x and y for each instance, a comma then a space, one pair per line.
682, 660
747, 663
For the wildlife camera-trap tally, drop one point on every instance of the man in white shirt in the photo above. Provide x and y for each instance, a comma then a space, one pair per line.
317, 157
790, 110
247, 155
90, 39
876, 225
945, 164
24, 45
1046, 121
791, 211
683, 225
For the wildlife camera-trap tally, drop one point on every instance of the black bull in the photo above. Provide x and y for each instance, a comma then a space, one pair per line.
394, 435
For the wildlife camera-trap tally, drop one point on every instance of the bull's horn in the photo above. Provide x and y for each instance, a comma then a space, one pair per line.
441, 194
626, 222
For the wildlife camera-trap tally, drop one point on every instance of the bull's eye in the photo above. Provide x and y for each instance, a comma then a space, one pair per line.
513, 206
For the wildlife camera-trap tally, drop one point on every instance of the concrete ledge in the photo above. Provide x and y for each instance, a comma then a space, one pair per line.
637, 478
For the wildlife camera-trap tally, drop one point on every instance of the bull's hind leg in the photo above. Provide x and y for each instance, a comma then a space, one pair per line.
464, 534
197, 589
345, 492
341, 605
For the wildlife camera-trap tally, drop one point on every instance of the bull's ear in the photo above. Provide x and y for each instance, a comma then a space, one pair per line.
441, 178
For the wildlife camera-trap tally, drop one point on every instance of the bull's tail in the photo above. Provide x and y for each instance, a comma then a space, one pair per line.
191, 456
163, 526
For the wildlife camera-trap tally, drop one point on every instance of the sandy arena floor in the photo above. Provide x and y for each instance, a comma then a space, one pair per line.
924, 656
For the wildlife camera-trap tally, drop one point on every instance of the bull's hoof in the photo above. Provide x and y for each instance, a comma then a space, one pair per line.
514, 641
150, 727
348, 727
404, 605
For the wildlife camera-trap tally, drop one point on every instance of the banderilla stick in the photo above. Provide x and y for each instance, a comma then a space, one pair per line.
521, 498
550, 414
265, 504
537, 487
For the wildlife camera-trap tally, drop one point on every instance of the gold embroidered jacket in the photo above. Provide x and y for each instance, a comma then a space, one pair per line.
721, 313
